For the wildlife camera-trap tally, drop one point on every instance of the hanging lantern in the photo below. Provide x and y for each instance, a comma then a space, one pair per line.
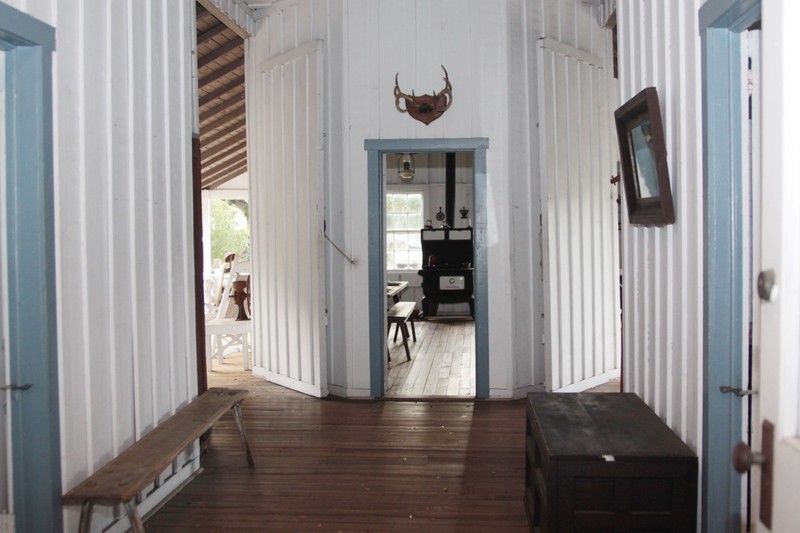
405, 166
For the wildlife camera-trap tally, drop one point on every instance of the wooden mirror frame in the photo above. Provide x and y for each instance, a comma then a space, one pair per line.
655, 209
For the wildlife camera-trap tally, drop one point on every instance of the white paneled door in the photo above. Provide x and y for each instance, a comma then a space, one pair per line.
580, 238
779, 280
286, 188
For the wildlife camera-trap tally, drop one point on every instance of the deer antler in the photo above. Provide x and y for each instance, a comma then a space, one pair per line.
448, 90
398, 94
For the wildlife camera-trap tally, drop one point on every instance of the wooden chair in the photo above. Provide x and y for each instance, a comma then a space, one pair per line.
223, 332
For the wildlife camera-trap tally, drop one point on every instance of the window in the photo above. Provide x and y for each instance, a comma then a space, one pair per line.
403, 224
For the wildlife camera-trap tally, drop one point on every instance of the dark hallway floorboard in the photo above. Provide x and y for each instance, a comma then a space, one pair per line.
356, 465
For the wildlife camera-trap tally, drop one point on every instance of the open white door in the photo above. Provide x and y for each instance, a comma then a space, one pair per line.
580, 237
779, 280
286, 195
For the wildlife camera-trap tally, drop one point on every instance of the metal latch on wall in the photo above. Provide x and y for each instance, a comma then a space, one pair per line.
725, 389
16, 387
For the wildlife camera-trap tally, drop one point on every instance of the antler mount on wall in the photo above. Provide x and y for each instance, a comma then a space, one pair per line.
425, 108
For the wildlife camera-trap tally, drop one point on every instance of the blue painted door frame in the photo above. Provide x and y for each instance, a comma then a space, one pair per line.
376, 148
28, 44
721, 23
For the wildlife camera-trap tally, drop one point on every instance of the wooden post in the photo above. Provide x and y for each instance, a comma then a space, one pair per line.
200, 319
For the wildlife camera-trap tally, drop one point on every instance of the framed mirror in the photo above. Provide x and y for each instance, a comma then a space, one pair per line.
643, 158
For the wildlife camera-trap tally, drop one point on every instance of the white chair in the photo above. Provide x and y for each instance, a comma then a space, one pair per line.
223, 332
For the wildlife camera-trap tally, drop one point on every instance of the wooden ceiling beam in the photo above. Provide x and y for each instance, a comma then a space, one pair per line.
219, 52
222, 72
234, 128
227, 154
210, 153
222, 176
231, 105
224, 167
210, 33
227, 143
224, 120
237, 83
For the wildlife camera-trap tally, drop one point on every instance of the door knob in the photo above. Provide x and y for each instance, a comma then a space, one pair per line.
744, 458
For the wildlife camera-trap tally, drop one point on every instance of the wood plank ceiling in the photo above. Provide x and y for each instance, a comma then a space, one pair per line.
220, 71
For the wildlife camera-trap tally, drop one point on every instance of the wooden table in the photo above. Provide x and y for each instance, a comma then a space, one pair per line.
598, 461
395, 289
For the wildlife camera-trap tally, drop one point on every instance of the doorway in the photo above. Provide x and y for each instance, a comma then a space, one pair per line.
729, 229
378, 151
429, 274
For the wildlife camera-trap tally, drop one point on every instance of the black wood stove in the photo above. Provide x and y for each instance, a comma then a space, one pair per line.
447, 274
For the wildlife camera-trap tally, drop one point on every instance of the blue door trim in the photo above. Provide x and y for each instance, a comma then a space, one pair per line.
721, 22
376, 148
28, 45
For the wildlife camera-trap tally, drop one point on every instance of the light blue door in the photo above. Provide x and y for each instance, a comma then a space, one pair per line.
28, 215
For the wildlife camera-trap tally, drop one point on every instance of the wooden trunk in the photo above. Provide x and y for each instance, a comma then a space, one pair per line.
605, 462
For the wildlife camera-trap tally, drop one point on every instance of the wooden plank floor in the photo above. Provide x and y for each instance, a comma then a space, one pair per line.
356, 465
442, 360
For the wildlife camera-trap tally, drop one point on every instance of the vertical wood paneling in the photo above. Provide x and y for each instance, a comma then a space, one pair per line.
287, 192
579, 218
662, 267
122, 116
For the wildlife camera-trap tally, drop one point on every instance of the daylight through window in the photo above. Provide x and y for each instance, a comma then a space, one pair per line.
403, 225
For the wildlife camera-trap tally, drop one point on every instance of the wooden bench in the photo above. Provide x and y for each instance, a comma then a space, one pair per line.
401, 314
128, 474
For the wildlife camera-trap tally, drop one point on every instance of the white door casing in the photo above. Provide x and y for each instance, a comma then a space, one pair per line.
286, 194
5, 438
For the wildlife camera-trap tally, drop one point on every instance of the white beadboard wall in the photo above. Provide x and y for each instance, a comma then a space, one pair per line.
366, 44
659, 46
486, 48
123, 120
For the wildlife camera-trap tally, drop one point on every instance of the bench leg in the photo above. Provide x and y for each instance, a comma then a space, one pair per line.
405, 340
137, 526
86, 517
413, 331
237, 414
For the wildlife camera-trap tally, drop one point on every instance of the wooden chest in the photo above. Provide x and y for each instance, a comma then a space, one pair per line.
605, 462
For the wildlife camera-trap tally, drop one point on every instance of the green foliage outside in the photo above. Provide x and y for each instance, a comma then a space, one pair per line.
230, 229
